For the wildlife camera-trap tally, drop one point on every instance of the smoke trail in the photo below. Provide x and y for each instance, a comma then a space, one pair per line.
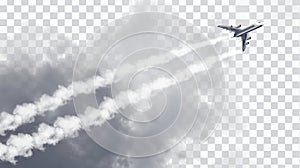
69, 126
165, 58
26, 112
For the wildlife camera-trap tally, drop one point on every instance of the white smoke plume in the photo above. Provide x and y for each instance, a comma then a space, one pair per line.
22, 144
25, 113
69, 126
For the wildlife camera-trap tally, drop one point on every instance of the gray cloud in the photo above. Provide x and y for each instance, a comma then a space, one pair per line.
61, 155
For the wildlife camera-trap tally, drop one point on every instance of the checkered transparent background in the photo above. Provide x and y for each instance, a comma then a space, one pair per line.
261, 126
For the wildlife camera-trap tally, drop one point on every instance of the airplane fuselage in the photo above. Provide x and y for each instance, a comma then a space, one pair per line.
247, 30
242, 33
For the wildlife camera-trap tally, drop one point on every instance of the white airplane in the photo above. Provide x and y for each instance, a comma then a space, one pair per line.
243, 33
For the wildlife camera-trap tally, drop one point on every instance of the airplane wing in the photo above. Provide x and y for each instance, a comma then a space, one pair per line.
244, 41
230, 28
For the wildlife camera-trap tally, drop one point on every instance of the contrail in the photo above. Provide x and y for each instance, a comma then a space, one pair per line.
166, 58
69, 126
25, 113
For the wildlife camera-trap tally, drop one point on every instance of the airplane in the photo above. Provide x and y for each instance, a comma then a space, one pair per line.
243, 33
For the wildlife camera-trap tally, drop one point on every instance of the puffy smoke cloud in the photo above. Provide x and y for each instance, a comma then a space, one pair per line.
69, 126
26, 112
22, 144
